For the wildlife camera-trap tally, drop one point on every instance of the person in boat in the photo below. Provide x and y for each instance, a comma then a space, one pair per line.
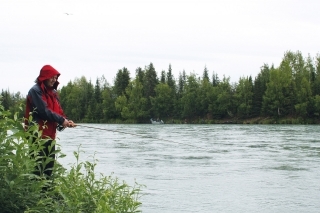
44, 106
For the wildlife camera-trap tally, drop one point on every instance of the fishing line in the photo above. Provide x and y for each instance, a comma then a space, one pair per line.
160, 139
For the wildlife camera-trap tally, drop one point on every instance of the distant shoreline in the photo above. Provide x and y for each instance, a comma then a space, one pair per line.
254, 120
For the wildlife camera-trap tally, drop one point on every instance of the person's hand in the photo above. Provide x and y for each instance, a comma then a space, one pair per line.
65, 123
72, 124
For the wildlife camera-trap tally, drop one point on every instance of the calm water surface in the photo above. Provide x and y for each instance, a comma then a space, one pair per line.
208, 168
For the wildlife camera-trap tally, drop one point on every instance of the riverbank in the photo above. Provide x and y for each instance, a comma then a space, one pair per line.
255, 120
233, 120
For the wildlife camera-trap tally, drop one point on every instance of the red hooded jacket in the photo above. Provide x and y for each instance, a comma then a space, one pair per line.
44, 104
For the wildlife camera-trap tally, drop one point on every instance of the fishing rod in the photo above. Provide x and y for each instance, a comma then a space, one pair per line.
109, 130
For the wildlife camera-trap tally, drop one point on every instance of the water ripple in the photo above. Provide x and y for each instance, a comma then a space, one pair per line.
208, 168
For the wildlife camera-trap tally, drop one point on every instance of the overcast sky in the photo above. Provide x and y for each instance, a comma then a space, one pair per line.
98, 37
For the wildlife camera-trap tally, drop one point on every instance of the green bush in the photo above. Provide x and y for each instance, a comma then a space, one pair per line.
77, 190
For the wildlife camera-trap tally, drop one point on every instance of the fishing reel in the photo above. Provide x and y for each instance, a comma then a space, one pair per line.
60, 127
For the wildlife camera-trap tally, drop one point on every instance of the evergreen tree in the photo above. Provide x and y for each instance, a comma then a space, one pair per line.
140, 75
243, 96
150, 82
189, 99
97, 92
221, 100
69, 101
316, 82
121, 81
304, 98
90, 106
178, 107
97, 102
205, 74
108, 98
181, 83
259, 89
170, 79
108, 104
11, 101
76, 99
172, 85
215, 79
133, 107
203, 100
162, 102
163, 77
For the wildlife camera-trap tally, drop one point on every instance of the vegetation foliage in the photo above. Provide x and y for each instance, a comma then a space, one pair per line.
76, 190
287, 93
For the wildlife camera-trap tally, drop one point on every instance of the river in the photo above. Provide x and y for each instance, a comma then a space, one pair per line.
207, 168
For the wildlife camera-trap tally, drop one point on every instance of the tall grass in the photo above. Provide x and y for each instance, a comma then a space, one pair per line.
77, 190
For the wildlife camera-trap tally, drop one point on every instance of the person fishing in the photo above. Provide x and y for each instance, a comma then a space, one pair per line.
44, 106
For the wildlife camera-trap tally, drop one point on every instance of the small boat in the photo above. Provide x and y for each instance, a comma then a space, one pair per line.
156, 121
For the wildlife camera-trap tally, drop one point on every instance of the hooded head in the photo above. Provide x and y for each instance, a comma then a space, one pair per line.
46, 73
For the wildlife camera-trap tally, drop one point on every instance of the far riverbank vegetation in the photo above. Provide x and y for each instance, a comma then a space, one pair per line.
287, 94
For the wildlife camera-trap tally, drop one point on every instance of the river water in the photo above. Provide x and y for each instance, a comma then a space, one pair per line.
207, 168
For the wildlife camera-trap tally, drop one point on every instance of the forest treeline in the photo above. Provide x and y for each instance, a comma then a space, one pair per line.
288, 93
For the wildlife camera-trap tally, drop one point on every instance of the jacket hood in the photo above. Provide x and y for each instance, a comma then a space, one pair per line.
47, 72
